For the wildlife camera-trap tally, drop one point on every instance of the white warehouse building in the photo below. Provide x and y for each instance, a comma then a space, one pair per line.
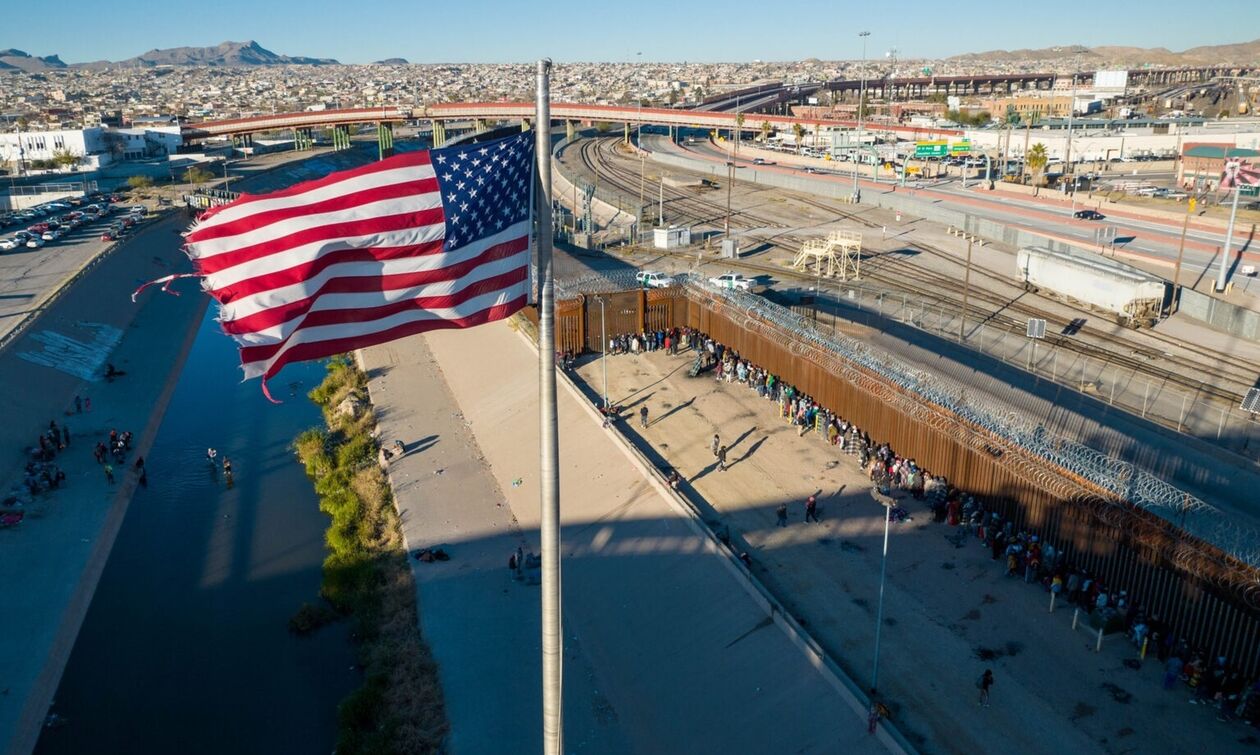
86, 143
96, 146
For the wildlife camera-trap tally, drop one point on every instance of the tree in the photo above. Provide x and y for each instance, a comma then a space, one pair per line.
673, 97
1037, 159
64, 158
698, 93
799, 130
765, 130
602, 127
140, 183
196, 176
739, 125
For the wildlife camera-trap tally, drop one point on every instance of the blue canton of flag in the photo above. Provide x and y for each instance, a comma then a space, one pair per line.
486, 187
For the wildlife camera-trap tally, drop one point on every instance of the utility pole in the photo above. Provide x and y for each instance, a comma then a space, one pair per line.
962, 325
1181, 248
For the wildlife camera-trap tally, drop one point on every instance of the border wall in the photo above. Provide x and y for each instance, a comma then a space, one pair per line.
1204, 595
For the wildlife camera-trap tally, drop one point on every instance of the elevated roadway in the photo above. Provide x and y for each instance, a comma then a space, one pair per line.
524, 111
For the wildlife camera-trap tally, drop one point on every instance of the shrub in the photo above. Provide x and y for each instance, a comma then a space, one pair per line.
399, 708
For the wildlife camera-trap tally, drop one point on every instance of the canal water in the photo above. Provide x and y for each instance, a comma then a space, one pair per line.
186, 647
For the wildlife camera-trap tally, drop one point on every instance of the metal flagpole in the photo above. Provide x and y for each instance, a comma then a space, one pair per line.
549, 469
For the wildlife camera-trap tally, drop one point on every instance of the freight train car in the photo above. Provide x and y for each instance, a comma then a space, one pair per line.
1134, 297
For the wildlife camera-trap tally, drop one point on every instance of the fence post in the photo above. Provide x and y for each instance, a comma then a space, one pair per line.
1054, 366
1181, 420
1146, 397
1098, 646
1053, 595
1221, 427
1076, 617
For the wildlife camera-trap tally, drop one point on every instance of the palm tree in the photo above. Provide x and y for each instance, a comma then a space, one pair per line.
1037, 159
739, 128
765, 130
799, 130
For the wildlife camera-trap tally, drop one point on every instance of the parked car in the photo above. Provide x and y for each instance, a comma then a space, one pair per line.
651, 279
50, 236
7, 244
731, 280
34, 242
1089, 215
110, 235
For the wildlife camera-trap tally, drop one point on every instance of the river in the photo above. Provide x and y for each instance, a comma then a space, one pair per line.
186, 645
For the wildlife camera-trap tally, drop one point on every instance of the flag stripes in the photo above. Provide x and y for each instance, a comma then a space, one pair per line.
414, 243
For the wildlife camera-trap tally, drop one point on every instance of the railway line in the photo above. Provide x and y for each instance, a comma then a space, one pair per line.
1201, 370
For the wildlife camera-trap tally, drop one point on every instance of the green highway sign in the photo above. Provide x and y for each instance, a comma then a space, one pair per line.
960, 148
931, 149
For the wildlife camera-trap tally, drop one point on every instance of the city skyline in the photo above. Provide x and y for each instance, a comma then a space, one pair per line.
649, 32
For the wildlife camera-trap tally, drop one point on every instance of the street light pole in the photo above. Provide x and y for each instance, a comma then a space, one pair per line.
883, 571
730, 179
603, 344
1067, 168
962, 325
1223, 273
660, 217
861, 108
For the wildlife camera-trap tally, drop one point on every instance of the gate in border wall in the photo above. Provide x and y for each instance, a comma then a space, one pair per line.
1205, 597
581, 321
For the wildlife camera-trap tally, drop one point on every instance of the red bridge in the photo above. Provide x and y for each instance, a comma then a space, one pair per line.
524, 111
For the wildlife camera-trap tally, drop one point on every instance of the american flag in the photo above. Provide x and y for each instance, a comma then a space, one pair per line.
416, 242
1239, 173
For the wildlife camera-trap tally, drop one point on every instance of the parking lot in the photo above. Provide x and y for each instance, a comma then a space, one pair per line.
69, 237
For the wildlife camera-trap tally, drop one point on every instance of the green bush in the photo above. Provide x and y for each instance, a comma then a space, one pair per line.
399, 707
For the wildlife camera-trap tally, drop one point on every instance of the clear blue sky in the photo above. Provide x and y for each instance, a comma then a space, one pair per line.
572, 30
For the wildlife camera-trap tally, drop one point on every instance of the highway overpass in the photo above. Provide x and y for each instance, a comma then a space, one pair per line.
524, 111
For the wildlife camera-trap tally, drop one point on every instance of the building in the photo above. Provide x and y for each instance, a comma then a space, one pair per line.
1203, 163
35, 148
94, 147
1030, 107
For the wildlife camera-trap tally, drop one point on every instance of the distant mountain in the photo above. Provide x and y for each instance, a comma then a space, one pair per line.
227, 54
391, 62
29, 63
1244, 53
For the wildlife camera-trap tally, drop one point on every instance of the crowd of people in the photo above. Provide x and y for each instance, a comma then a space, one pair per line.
1212, 680
42, 472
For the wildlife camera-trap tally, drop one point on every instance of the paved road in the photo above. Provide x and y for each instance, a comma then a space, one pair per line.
665, 651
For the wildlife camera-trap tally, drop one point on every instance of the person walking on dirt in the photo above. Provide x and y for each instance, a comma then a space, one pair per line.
780, 515
721, 459
715, 445
109, 474
811, 509
643, 417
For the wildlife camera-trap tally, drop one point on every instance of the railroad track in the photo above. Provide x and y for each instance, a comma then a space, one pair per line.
1212, 367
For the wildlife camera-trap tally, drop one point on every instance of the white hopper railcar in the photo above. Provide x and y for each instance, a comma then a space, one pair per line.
1134, 297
